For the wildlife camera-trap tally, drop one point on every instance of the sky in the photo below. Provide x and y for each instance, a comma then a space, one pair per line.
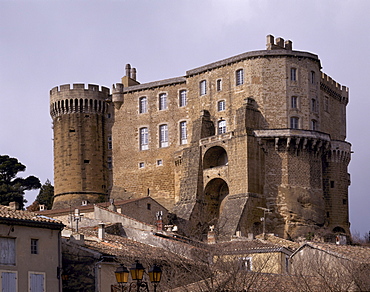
48, 43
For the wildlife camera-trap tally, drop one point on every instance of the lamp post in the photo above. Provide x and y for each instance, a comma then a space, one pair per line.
137, 273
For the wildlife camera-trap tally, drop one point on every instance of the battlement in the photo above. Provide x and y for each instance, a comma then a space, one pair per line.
333, 87
79, 87
280, 44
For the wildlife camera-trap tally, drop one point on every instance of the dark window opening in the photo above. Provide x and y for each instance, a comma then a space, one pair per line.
149, 206
72, 130
34, 246
215, 156
86, 161
332, 184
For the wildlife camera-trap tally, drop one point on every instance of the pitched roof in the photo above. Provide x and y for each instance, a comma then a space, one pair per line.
249, 246
359, 254
20, 217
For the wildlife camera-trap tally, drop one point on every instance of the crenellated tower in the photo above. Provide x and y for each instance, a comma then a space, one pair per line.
81, 172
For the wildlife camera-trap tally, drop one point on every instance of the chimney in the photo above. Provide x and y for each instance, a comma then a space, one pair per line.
159, 216
101, 231
211, 236
41, 207
128, 70
133, 73
14, 205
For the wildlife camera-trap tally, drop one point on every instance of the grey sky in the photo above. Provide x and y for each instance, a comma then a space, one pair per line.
49, 43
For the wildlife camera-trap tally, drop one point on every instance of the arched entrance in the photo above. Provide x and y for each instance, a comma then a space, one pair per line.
214, 193
215, 156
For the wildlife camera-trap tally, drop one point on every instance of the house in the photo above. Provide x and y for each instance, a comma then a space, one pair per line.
252, 255
30, 252
336, 267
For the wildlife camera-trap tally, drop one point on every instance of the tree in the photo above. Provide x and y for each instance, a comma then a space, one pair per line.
45, 197
12, 187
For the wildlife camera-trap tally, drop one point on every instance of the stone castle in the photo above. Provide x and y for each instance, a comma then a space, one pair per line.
248, 144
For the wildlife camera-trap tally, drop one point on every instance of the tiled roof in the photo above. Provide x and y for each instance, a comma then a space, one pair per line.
359, 254
279, 241
249, 246
25, 217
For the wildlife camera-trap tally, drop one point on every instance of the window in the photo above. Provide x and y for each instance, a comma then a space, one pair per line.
8, 281
143, 105
110, 165
148, 206
162, 101
239, 77
7, 251
332, 184
312, 77
34, 246
159, 162
183, 133
326, 104
313, 125
247, 264
182, 98
294, 102
313, 105
293, 74
163, 136
221, 105
221, 127
37, 282
110, 143
203, 87
219, 85
294, 123
144, 139
141, 164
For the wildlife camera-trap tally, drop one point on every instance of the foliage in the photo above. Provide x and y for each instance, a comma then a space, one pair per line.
45, 197
12, 187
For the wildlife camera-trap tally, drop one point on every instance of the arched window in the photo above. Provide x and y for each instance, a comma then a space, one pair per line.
143, 106
239, 77
182, 98
221, 127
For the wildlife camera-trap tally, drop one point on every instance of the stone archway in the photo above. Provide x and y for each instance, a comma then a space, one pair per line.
214, 193
215, 156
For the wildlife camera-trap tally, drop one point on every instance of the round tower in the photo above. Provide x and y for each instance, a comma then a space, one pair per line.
80, 144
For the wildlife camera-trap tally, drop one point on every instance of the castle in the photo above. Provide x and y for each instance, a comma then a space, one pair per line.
251, 143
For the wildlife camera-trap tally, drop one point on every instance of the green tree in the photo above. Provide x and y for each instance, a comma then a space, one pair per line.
45, 197
12, 187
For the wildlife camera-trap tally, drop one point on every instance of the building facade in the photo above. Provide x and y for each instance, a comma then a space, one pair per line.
30, 252
257, 135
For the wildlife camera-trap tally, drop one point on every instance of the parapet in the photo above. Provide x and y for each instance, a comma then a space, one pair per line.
279, 45
79, 87
332, 87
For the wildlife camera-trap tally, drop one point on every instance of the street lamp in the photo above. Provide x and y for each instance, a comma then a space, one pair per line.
137, 272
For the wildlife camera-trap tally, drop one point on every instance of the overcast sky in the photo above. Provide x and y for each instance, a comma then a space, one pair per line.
48, 43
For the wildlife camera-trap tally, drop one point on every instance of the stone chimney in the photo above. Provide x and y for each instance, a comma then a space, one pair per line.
211, 236
101, 231
14, 205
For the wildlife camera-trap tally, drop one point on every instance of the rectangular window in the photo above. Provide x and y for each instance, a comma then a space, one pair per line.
313, 125
110, 165
34, 246
7, 251
203, 87
182, 98
222, 127
163, 136
247, 264
312, 77
294, 102
144, 139
37, 282
219, 85
313, 105
162, 101
293, 74
294, 123
239, 74
183, 133
326, 104
141, 164
221, 105
159, 162
110, 143
8, 281
143, 105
